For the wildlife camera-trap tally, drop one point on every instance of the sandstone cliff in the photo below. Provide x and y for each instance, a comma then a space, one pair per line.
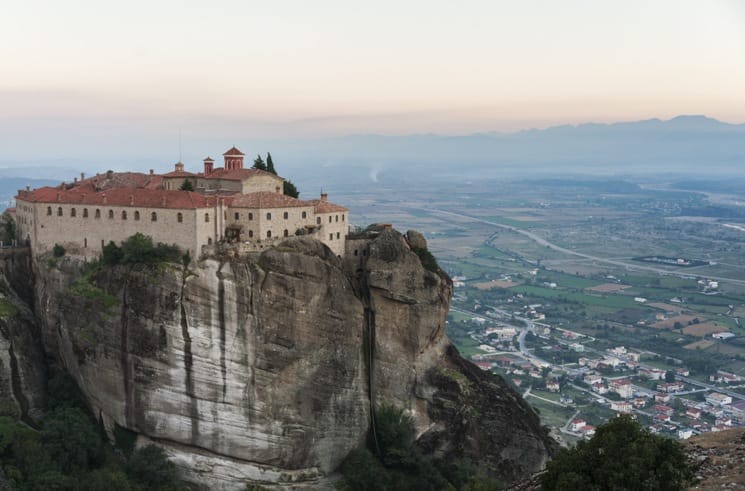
264, 368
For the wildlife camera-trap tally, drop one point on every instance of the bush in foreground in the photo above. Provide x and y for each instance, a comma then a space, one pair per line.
622, 456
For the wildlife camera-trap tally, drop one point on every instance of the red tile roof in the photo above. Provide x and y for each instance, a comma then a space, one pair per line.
266, 199
135, 197
179, 173
240, 174
208, 159
326, 207
234, 151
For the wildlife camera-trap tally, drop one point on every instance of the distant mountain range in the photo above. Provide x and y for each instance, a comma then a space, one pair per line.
692, 145
685, 144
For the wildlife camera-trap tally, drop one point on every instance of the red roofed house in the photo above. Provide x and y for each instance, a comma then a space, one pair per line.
577, 424
229, 203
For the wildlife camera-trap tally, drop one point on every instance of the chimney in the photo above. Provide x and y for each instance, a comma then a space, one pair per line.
28, 188
103, 196
74, 180
82, 176
324, 197
152, 172
58, 196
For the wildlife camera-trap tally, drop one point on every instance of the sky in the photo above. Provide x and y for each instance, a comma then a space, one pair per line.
78, 74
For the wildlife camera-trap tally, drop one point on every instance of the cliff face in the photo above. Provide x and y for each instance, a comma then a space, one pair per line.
264, 368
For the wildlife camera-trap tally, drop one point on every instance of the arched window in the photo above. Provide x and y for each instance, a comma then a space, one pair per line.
342, 218
137, 215
237, 216
124, 214
153, 217
318, 220
305, 214
337, 235
268, 234
73, 212
111, 214
337, 218
98, 213
180, 217
85, 212
331, 236
206, 217
286, 215
209, 241
329, 218
268, 216
287, 234
49, 210
250, 233
250, 216
59, 211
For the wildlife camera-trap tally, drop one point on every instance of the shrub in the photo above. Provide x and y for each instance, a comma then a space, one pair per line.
428, 260
150, 467
58, 250
621, 455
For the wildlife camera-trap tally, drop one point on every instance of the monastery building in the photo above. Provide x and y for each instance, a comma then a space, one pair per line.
228, 204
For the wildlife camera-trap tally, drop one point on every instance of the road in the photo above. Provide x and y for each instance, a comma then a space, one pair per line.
541, 241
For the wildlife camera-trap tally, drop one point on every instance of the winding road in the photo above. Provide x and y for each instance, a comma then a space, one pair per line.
541, 241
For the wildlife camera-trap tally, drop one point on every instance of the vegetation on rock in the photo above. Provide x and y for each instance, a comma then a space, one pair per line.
139, 248
622, 455
401, 466
70, 451
428, 260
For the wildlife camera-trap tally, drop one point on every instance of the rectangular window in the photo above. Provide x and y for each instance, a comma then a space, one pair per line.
286, 215
237, 216
268, 216
305, 214
250, 216
331, 236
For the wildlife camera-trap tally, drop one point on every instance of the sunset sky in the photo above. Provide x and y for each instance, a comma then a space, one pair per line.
324, 68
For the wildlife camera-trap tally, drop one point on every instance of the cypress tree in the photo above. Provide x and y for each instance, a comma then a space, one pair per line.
270, 164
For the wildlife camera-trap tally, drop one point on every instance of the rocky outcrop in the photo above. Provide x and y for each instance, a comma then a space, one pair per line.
264, 368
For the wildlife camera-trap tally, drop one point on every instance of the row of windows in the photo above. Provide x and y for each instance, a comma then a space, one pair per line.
331, 236
286, 233
285, 215
124, 216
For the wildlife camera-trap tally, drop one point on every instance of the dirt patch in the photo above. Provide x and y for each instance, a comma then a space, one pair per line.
666, 307
670, 323
703, 344
488, 285
608, 288
704, 329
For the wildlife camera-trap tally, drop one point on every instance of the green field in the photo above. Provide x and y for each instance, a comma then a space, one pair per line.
609, 301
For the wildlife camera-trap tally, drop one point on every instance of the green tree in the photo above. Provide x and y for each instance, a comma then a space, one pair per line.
270, 164
259, 163
621, 456
150, 467
10, 228
71, 439
669, 376
289, 189
186, 185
